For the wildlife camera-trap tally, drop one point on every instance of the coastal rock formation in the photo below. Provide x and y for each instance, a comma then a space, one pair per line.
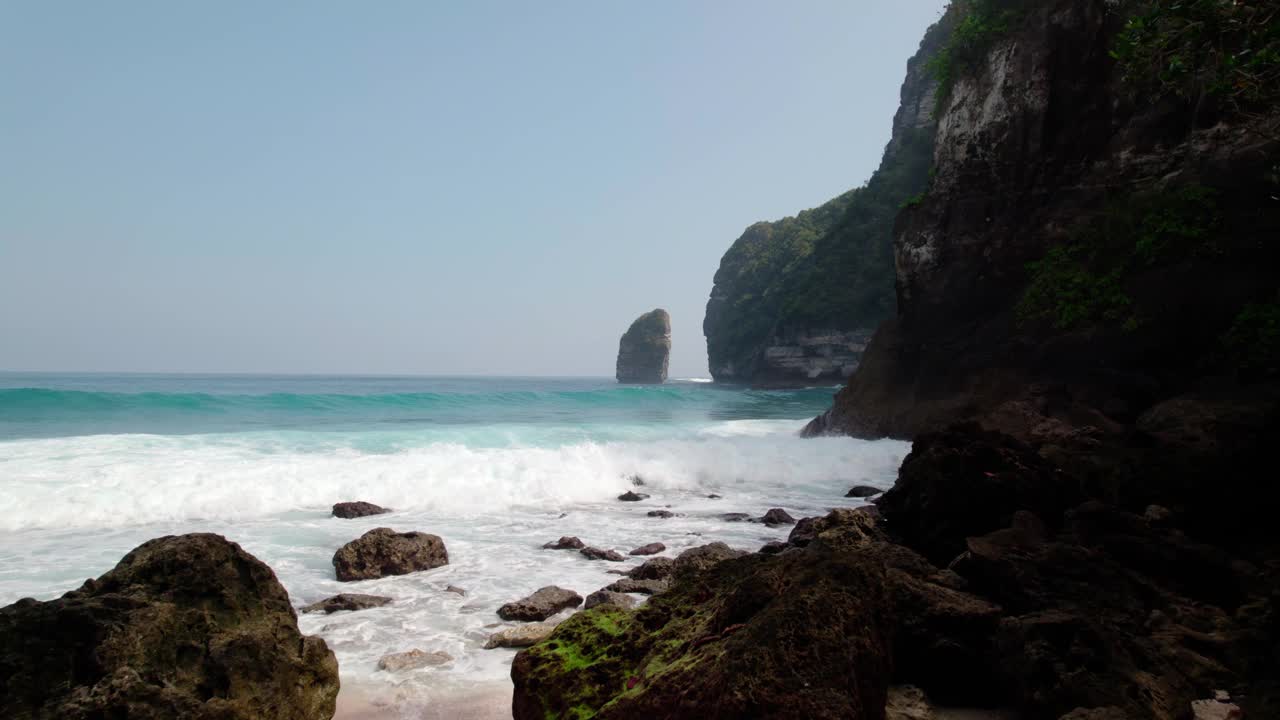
796, 301
609, 597
595, 553
347, 601
645, 348
187, 626
383, 551
358, 509
566, 542
649, 549
1096, 237
541, 605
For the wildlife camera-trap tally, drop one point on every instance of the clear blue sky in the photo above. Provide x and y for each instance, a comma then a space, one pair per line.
417, 187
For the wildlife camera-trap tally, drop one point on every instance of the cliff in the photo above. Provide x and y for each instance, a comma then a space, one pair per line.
794, 301
645, 349
1097, 234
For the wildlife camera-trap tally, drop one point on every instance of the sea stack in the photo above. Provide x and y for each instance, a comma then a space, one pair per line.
645, 348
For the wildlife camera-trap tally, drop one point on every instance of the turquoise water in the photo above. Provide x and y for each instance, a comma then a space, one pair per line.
93, 465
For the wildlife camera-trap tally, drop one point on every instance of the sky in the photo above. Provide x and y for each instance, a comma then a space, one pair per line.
412, 187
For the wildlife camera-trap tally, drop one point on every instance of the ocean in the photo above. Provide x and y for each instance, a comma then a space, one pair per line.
91, 465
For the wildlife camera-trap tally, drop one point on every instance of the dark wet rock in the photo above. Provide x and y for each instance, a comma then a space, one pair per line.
609, 597
456, 590
777, 516
804, 532
714, 496
643, 351
642, 586
704, 557
520, 636
187, 626
541, 605
568, 542
595, 553
862, 491
412, 660
653, 569
650, 549
661, 514
773, 547
383, 551
347, 601
735, 517
358, 509
632, 496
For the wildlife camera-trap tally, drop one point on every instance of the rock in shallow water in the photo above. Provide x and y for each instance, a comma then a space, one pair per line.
631, 496
187, 626
541, 605
595, 553
358, 509
383, 551
862, 491
650, 549
412, 660
347, 601
777, 516
520, 636
661, 514
567, 542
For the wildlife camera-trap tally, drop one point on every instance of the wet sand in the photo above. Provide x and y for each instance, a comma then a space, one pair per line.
489, 703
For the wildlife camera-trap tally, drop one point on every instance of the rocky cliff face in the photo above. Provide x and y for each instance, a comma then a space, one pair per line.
645, 349
826, 272
1093, 241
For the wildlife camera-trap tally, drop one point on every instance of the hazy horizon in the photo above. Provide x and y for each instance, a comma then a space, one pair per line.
411, 189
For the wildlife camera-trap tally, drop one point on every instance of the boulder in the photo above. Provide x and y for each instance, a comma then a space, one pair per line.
609, 597
661, 514
187, 626
653, 569
520, 635
541, 605
567, 542
862, 491
383, 551
773, 547
347, 601
358, 509
632, 496
777, 516
412, 660
595, 553
644, 349
705, 557
642, 587
650, 549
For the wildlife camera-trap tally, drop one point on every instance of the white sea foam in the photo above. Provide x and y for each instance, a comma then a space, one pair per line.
75, 505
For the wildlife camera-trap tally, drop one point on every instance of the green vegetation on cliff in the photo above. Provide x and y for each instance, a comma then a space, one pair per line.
979, 23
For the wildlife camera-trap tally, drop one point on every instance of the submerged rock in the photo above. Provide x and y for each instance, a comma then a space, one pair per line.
595, 553
661, 514
520, 636
358, 509
645, 348
609, 597
541, 605
735, 517
456, 590
347, 601
567, 542
187, 626
383, 551
632, 496
412, 660
650, 549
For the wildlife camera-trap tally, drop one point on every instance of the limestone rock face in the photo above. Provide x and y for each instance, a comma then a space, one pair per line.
187, 626
645, 349
383, 551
